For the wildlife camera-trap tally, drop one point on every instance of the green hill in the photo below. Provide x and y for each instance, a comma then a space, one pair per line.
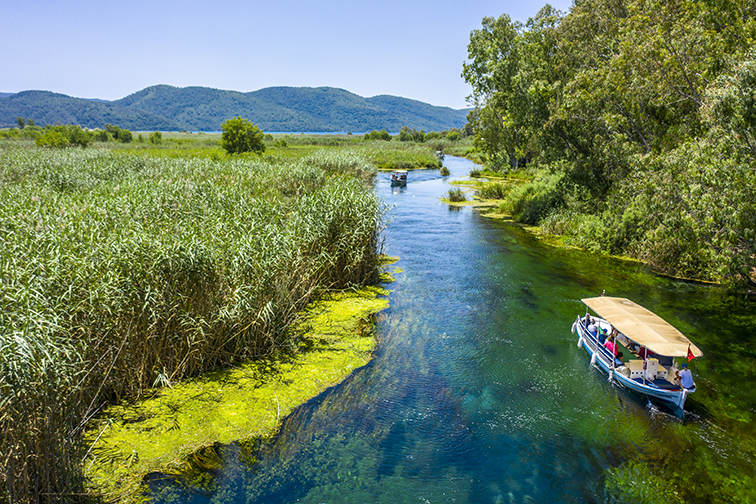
169, 108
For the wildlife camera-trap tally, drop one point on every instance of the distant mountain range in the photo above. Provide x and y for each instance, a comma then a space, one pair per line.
168, 108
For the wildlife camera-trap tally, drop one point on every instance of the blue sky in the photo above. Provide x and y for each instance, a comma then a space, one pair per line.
109, 50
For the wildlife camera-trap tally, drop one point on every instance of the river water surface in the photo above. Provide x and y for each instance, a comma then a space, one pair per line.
479, 394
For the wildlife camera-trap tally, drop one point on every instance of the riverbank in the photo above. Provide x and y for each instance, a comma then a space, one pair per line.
240, 403
495, 206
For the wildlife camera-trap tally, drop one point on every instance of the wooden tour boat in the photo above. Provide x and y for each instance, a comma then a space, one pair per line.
654, 345
398, 178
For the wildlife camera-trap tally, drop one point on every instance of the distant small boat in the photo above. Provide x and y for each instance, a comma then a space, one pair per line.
651, 370
399, 178
440, 155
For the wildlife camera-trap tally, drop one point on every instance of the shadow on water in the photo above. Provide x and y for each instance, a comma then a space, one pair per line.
478, 392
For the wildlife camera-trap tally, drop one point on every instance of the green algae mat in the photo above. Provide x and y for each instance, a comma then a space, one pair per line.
235, 404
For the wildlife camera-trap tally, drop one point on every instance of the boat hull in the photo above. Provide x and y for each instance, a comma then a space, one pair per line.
602, 358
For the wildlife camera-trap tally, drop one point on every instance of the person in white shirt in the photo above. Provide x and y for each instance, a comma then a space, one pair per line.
592, 327
685, 377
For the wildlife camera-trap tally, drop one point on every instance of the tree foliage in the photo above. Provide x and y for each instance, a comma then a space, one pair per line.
378, 135
64, 136
644, 112
122, 135
240, 135
156, 138
411, 135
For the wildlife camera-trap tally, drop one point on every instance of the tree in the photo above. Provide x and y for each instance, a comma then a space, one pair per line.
411, 135
494, 61
122, 135
125, 136
64, 136
240, 135
21, 122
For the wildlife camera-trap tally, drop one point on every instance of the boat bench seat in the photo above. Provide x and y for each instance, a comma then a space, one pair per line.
653, 369
636, 368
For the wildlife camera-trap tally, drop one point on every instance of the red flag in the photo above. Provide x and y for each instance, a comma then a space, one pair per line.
690, 354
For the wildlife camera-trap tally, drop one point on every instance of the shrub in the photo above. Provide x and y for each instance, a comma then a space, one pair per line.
457, 195
119, 134
125, 136
63, 136
240, 135
378, 135
156, 138
407, 135
530, 202
493, 190
10, 133
52, 139
445, 171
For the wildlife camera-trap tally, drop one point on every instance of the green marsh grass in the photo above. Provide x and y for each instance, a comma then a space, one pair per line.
120, 272
456, 195
494, 190
400, 155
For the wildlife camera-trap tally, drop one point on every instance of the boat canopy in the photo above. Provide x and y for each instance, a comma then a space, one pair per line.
642, 326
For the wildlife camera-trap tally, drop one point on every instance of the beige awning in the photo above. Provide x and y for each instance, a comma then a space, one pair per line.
642, 326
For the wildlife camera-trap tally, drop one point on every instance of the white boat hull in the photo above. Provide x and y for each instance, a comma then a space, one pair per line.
602, 358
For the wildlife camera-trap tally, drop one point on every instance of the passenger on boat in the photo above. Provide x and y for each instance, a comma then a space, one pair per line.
592, 328
602, 336
611, 345
685, 377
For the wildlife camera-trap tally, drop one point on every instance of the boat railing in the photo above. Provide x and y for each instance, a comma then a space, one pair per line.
605, 353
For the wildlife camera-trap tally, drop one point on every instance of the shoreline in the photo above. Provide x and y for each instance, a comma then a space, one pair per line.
553, 240
240, 403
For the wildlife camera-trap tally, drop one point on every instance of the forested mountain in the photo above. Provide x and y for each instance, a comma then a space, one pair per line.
638, 118
204, 109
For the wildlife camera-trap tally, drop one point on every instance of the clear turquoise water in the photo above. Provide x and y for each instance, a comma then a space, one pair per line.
479, 394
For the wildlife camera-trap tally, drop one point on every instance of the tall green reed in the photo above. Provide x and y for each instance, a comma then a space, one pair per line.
120, 273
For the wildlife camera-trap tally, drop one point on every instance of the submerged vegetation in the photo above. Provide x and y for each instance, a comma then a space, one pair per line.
634, 121
173, 431
126, 271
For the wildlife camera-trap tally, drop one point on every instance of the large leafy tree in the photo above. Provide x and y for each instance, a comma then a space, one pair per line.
240, 135
512, 71
643, 112
493, 63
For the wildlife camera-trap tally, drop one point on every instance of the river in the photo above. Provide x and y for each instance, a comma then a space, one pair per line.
479, 394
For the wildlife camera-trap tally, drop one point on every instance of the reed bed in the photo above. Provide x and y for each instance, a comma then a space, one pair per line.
400, 155
119, 273
494, 190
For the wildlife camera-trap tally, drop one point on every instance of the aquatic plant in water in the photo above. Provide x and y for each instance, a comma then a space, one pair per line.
177, 431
